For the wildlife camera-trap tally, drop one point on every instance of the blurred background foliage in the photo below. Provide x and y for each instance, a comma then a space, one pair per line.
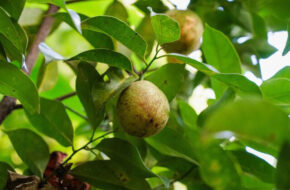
245, 22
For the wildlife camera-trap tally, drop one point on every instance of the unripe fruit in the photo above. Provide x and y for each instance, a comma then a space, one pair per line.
191, 29
142, 109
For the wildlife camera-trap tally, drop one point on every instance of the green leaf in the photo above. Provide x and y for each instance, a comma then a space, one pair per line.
254, 165
102, 92
228, 96
117, 10
125, 155
109, 57
13, 82
287, 46
175, 141
255, 124
107, 174
31, 148
4, 167
53, 121
251, 182
118, 30
259, 47
168, 78
145, 29
218, 169
220, 52
49, 54
283, 73
258, 26
166, 29
207, 69
239, 83
13, 7
86, 77
277, 90
283, 167
188, 114
13, 33
96, 39
236, 81
156, 5
60, 3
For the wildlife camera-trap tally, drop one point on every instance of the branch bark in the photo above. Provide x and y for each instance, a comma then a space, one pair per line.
7, 104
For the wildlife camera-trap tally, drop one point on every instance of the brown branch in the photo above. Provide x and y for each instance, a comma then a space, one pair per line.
7, 103
66, 96
41, 35
6, 106
61, 98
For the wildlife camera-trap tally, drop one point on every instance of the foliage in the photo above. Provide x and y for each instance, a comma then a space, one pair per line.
96, 49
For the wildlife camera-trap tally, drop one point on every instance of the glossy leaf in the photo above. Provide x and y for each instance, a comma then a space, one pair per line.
13, 82
126, 155
157, 6
255, 124
107, 174
227, 97
96, 39
254, 165
175, 142
109, 57
277, 90
218, 169
12, 32
166, 29
102, 92
188, 114
14, 7
260, 47
31, 148
118, 30
283, 73
4, 167
219, 51
239, 83
168, 78
53, 121
86, 77
49, 54
76, 19
236, 81
283, 167
207, 69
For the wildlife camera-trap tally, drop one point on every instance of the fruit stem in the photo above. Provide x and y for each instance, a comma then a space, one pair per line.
141, 77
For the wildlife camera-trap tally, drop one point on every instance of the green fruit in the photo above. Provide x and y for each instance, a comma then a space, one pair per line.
142, 109
191, 29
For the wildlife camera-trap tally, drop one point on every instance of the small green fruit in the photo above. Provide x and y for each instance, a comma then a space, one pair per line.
142, 109
191, 29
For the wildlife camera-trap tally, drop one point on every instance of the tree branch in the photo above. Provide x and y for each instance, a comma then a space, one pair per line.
8, 103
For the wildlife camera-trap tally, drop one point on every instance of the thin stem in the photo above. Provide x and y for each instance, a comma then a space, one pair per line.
150, 63
76, 113
20, 106
69, 95
85, 146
